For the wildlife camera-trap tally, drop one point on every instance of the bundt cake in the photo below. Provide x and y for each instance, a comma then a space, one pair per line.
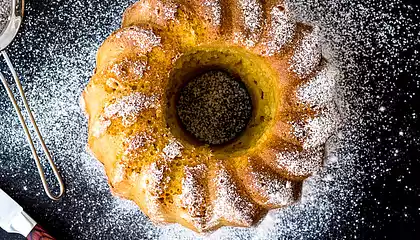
139, 133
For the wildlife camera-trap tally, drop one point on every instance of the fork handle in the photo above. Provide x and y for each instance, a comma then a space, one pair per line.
39, 233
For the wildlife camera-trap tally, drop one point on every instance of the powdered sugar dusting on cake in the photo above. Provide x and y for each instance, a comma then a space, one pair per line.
137, 142
129, 68
319, 91
252, 11
307, 54
157, 179
214, 11
154, 181
144, 7
315, 131
281, 192
118, 173
129, 107
161, 12
144, 39
277, 191
172, 149
301, 163
281, 30
229, 203
252, 22
193, 195
100, 126
169, 10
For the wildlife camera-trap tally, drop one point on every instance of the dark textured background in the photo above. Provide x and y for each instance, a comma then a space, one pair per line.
390, 207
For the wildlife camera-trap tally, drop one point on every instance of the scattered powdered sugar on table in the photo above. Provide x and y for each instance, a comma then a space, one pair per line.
56, 62
4, 14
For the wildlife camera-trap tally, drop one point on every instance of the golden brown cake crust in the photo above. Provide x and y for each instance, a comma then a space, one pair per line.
133, 128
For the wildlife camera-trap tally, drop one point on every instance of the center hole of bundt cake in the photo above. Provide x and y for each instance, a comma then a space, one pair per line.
214, 107
221, 96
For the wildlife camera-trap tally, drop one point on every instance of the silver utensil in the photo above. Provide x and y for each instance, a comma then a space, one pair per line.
7, 34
